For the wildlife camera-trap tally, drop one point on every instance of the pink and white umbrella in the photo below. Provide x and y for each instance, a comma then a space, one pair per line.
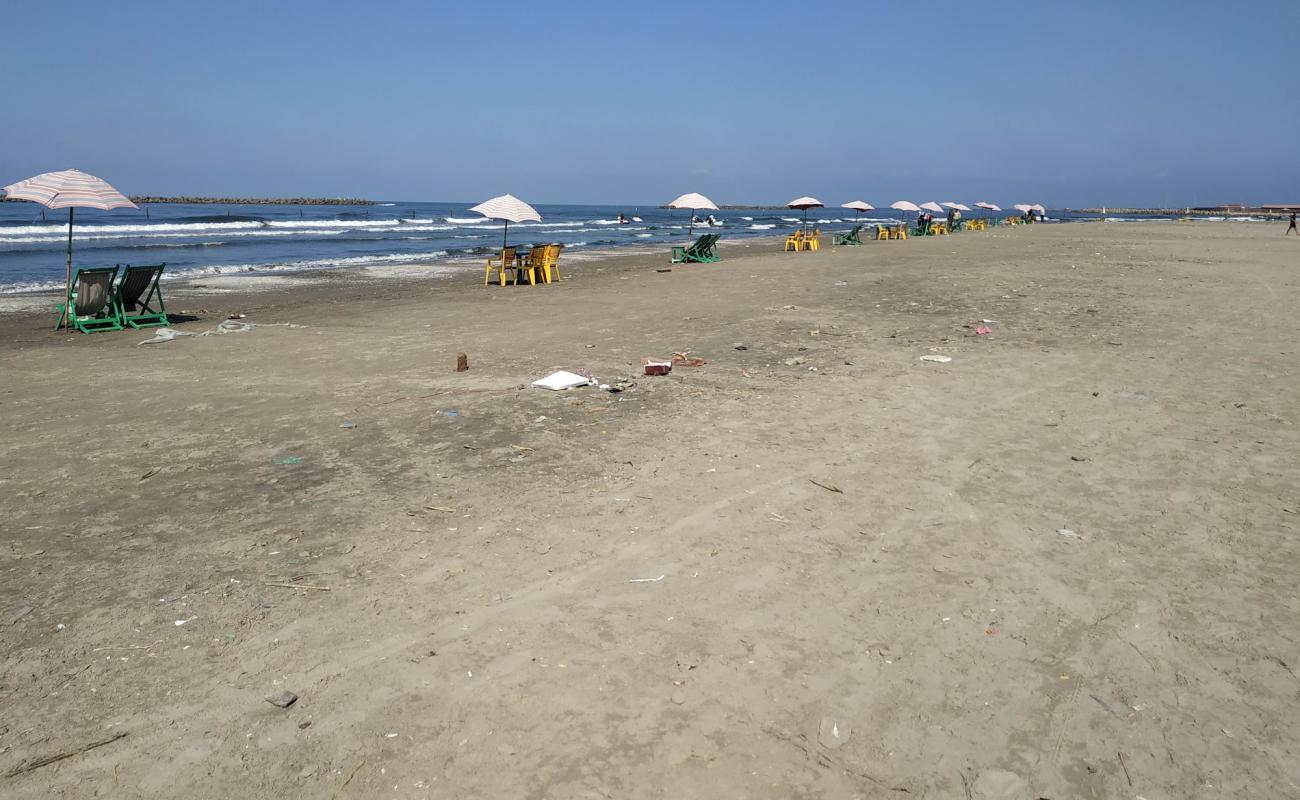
507, 208
905, 205
932, 206
695, 202
70, 189
1023, 208
859, 206
987, 206
805, 203
958, 206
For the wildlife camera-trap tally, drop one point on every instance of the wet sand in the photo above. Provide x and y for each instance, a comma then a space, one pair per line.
1061, 564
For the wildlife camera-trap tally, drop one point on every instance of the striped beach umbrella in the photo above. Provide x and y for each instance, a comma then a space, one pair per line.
508, 209
70, 189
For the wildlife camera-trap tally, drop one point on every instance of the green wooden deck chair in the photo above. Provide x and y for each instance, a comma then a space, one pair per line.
137, 292
848, 238
93, 308
701, 251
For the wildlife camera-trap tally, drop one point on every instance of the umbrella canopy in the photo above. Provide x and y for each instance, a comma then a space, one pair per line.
507, 208
932, 206
70, 189
1038, 208
859, 206
693, 201
805, 203
1023, 208
905, 205
987, 206
958, 206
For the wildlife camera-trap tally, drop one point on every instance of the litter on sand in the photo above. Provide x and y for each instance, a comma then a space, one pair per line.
937, 359
983, 330
1069, 534
647, 580
656, 366
559, 381
226, 326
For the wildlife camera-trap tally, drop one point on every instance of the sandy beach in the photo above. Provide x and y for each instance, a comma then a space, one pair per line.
1060, 565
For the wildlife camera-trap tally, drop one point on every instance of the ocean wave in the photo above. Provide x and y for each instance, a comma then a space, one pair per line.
409, 221
118, 236
299, 266
158, 228
464, 220
791, 219
758, 227
644, 235
748, 219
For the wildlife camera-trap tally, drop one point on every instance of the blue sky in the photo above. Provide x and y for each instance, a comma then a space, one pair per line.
1069, 104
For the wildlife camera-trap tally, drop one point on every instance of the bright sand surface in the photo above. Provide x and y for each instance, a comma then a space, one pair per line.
1062, 564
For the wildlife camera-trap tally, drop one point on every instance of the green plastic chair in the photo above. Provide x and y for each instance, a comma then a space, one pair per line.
848, 238
137, 291
93, 306
702, 251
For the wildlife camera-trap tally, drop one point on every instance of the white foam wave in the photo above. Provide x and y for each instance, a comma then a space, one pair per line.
637, 219
157, 228
644, 235
464, 220
757, 227
748, 219
77, 237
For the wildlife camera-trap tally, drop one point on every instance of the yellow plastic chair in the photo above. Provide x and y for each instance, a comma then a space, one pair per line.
882, 233
501, 263
794, 241
814, 240
531, 264
550, 266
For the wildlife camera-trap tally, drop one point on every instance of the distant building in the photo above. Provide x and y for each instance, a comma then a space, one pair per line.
1225, 207
1280, 207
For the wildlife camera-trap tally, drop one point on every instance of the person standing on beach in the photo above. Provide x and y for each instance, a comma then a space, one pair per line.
1292, 226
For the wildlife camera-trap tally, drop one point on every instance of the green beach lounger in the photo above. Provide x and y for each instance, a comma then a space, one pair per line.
848, 238
137, 292
702, 251
93, 307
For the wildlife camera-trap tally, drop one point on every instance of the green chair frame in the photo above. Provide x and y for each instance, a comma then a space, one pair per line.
850, 238
145, 296
104, 318
702, 251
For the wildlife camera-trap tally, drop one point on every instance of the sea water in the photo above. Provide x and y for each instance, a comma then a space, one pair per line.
399, 237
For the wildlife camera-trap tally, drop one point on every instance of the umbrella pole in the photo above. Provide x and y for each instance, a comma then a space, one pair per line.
505, 232
690, 227
67, 294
